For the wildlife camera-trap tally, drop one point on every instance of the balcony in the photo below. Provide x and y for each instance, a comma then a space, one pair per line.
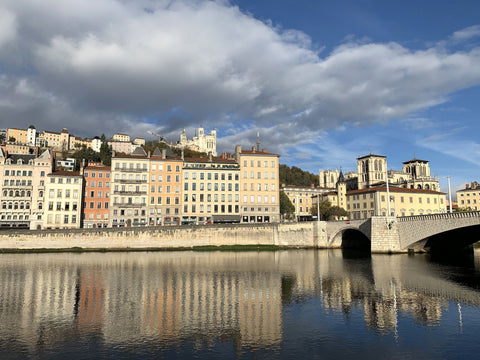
127, 181
130, 192
127, 170
129, 205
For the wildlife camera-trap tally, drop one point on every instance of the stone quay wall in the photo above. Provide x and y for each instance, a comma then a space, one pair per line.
283, 234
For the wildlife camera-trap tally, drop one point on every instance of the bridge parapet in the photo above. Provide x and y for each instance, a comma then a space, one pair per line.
455, 215
413, 229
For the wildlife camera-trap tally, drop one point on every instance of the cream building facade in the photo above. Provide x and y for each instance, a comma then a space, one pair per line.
211, 191
22, 179
303, 197
129, 182
63, 200
121, 137
469, 198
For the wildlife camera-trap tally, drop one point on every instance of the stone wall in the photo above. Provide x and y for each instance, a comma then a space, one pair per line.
385, 237
290, 235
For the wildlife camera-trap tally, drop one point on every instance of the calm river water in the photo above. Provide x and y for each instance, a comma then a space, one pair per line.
301, 304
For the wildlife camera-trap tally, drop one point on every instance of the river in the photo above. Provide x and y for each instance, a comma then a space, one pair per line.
315, 304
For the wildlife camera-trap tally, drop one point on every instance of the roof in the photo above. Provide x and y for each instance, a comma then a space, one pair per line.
306, 187
25, 158
393, 190
369, 155
250, 152
139, 152
213, 159
64, 173
415, 160
98, 167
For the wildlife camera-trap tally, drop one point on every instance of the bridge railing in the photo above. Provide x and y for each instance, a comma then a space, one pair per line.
442, 216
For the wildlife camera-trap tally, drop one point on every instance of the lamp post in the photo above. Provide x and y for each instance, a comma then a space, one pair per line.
388, 192
318, 207
449, 195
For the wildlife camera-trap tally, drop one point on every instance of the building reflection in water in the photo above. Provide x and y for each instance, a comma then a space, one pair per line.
237, 297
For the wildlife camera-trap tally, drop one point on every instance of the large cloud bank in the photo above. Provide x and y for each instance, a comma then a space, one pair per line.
107, 65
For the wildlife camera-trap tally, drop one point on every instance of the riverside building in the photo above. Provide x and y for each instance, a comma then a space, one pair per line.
469, 198
63, 197
96, 196
22, 181
211, 191
129, 181
165, 188
259, 185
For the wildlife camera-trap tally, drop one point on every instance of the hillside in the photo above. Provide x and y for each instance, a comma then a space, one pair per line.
296, 176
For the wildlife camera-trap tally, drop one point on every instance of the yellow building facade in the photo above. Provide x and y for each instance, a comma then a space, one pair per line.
365, 203
469, 198
259, 185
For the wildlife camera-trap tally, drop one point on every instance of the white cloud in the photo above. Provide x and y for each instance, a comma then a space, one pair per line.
467, 33
8, 28
116, 63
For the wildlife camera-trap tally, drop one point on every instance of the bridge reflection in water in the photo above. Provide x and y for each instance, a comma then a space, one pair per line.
167, 298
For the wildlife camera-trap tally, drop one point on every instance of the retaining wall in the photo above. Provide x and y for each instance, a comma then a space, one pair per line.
289, 235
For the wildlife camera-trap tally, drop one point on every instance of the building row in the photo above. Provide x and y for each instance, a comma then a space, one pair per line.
364, 193
140, 189
28, 141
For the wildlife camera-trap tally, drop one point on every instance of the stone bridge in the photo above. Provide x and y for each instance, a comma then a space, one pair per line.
400, 234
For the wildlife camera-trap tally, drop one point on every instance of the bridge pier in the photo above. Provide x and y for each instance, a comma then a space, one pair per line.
385, 235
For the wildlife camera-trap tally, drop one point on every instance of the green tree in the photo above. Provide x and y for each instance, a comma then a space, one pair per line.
296, 176
12, 139
2, 137
327, 211
106, 154
86, 154
286, 206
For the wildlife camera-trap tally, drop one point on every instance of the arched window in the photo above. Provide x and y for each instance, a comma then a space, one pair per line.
427, 187
380, 166
10, 205
17, 193
40, 193
376, 165
433, 187
27, 205
5, 192
22, 205
11, 193
4, 205
28, 193
419, 186
23, 193
15, 206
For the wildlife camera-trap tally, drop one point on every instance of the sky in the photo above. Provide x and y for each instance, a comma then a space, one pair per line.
323, 82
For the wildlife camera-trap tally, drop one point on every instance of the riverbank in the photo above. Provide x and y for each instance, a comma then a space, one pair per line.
212, 237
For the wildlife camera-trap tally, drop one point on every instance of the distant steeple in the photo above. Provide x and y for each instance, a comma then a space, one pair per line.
258, 140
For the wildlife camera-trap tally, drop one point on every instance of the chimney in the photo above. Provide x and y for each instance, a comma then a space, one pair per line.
164, 153
238, 150
264, 150
148, 155
467, 186
210, 156
183, 155
253, 149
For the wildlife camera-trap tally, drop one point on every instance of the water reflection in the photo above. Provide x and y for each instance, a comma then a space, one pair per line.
128, 299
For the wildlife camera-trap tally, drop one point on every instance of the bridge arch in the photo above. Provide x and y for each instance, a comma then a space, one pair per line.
439, 231
349, 237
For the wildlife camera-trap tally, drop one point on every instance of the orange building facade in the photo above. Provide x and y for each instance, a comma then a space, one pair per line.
165, 193
97, 196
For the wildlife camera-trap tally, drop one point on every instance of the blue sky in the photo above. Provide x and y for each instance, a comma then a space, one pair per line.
322, 81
